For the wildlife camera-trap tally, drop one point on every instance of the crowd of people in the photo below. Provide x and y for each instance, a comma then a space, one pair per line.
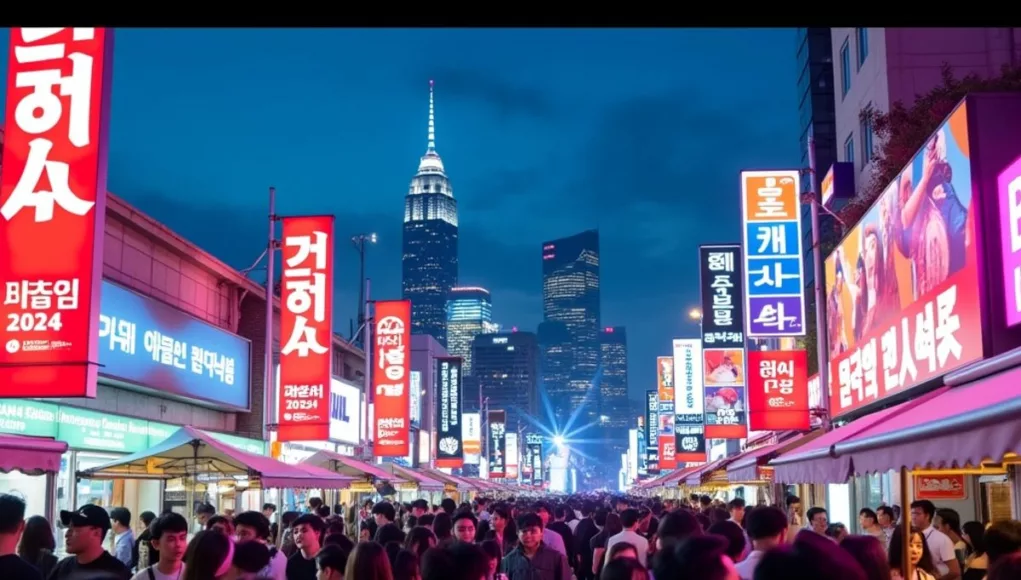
580, 537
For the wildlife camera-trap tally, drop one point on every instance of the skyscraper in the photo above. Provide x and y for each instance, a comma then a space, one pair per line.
570, 295
430, 241
469, 314
613, 382
507, 369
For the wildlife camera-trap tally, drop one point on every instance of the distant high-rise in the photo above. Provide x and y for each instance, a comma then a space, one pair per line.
469, 314
613, 383
570, 295
507, 371
430, 241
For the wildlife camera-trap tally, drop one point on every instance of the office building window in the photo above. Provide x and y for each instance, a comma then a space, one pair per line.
849, 149
845, 68
863, 45
865, 129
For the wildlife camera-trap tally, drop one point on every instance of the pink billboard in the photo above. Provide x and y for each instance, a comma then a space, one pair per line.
1009, 193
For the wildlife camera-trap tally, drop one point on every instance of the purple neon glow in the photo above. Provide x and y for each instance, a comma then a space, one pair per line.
1009, 194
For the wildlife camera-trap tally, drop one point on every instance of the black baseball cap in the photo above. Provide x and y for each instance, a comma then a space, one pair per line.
87, 515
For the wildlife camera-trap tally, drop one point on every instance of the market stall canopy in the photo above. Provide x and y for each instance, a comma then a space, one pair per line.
816, 462
190, 452
745, 466
460, 483
676, 477
694, 478
424, 482
30, 455
964, 426
350, 467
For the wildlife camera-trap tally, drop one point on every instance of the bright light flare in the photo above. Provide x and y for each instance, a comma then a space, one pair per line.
558, 440
695, 314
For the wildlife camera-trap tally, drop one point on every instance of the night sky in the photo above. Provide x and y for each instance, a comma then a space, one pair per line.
640, 133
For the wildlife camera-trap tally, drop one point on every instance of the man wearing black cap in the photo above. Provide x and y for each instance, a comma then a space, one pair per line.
86, 530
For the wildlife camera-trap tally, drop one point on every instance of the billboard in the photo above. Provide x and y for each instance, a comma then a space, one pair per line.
634, 468
774, 277
642, 448
52, 226
449, 447
652, 431
723, 372
1008, 184
902, 288
838, 183
512, 455
345, 410
533, 456
778, 390
665, 411
689, 401
306, 328
471, 434
147, 343
415, 398
391, 360
497, 425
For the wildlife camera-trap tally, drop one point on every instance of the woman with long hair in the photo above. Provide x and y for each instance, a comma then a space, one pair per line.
502, 529
209, 556
37, 545
870, 553
418, 540
598, 544
368, 562
918, 551
977, 564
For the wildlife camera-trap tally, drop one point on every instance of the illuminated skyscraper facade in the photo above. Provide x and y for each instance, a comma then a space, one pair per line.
430, 241
469, 314
507, 370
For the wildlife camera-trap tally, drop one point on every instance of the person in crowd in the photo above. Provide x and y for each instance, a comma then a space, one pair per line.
314, 503
794, 521
168, 536
836, 532
285, 541
624, 569
870, 553
86, 529
811, 556
384, 513
976, 566
248, 560
629, 521
1008, 568
426, 520
948, 521
887, 520
419, 540
448, 506
389, 533
599, 541
736, 508
533, 559
37, 545
306, 530
464, 526
559, 525
269, 510
406, 566
767, 529
332, 562
621, 550
141, 552
697, 558
252, 526
203, 512
455, 561
502, 529
818, 520
941, 547
868, 523
675, 527
586, 529
549, 537
732, 532
221, 524
482, 510
210, 556
12, 525
923, 567
368, 562
1002, 539
124, 537
494, 553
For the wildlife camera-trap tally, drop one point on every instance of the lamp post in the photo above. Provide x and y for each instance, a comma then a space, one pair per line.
695, 314
360, 242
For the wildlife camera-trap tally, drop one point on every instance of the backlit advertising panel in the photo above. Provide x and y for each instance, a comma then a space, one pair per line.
497, 425
53, 210
642, 448
306, 328
471, 434
723, 373
391, 360
147, 343
665, 411
449, 449
534, 457
778, 390
1009, 193
652, 431
689, 402
773, 270
902, 288
512, 455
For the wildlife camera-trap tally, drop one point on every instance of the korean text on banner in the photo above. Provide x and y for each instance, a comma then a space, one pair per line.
306, 328
53, 209
902, 289
497, 444
1008, 184
651, 435
512, 454
723, 372
449, 445
471, 434
778, 390
534, 457
774, 287
665, 430
390, 377
689, 402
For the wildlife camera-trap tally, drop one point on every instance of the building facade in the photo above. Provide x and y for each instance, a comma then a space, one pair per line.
613, 384
507, 372
469, 314
429, 266
424, 374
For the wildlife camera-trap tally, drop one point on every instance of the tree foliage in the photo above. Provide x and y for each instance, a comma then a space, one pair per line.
902, 131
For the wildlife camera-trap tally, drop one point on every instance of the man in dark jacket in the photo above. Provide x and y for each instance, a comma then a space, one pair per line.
583, 534
532, 559
559, 525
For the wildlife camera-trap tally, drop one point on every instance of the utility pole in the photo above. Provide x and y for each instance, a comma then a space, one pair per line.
821, 335
359, 242
269, 416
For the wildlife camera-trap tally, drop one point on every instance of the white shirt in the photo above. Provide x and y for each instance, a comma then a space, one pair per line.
941, 547
746, 568
633, 538
143, 574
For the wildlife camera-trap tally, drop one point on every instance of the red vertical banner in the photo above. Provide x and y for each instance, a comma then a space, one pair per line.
306, 329
390, 377
665, 427
53, 210
778, 390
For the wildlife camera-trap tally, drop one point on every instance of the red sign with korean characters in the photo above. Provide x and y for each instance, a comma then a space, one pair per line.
940, 487
778, 390
53, 210
390, 374
306, 328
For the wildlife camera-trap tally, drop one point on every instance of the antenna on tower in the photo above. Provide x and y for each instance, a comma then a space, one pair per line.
432, 119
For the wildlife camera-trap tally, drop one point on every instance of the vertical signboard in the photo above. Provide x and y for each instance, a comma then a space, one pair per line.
642, 449
778, 390
497, 424
53, 210
665, 387
511, 457
634, 469
306, 328
471, 435
1009, 186
723, 342
390, 378
689, 401
449, 446
534, 454
771, 219
652, 431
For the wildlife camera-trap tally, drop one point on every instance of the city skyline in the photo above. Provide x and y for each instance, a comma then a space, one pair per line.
535, 155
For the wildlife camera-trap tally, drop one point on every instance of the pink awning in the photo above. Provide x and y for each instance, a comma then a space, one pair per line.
745, 467
30, 455
963, 426
350, 467
816, 462
424, 481
694, 477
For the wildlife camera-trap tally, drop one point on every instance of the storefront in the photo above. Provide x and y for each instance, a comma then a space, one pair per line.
28, 467
751, 472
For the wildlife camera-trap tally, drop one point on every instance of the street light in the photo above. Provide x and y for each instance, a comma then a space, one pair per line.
359, 242
695, 314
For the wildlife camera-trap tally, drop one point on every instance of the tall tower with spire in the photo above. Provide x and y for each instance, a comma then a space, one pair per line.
430, 240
